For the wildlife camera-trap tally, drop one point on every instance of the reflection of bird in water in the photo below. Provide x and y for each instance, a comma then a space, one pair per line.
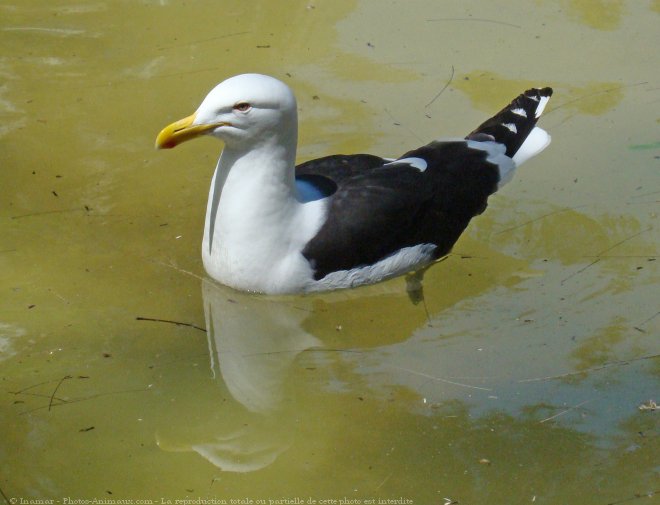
345, 220
252, 343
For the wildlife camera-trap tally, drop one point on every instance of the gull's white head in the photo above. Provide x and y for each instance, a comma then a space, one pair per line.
243, 111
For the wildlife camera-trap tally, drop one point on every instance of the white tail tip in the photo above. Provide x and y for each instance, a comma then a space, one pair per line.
537, 140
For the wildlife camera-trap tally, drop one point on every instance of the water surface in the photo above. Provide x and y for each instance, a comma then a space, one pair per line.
524, 377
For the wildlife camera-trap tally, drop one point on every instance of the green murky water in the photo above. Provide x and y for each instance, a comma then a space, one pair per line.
519, 380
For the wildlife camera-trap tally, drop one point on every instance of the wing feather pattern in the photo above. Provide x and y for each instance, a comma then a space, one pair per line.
378, 208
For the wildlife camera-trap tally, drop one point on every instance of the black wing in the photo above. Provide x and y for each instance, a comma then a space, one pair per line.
339, 166
380, 207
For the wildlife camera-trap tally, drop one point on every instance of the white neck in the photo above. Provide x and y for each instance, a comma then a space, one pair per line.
255, 226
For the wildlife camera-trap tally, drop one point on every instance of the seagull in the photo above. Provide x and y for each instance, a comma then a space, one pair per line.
344, 220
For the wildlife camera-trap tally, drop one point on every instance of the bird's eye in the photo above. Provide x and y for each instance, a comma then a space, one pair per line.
242, 106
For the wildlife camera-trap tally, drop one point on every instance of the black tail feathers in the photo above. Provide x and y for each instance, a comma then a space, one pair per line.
513, 123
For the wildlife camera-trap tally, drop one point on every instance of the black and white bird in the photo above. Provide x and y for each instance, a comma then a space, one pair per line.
345, 220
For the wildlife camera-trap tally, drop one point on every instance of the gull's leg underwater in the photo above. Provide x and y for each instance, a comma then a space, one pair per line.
415, 282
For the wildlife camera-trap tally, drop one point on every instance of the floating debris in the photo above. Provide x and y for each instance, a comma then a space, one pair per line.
650, 406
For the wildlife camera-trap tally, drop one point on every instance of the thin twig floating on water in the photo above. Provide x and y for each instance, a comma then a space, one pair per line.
398, 123
38, 395
539, 218
181, 270
599, 256
30, 387
479, 20
296, 351
46, 212
4, 496
202, 41
85, 398
589, 95
384, 481
451, 78
647, 320
565, 411
421, 374
52, 396
594, 369
130, 80
66, 32
581, 270
178, 323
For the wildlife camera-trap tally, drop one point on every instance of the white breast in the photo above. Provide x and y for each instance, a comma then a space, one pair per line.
255, 232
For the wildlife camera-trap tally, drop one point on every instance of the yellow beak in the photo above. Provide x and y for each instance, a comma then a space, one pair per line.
182, 130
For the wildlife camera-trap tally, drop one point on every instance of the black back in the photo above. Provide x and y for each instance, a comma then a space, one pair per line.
380, 208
